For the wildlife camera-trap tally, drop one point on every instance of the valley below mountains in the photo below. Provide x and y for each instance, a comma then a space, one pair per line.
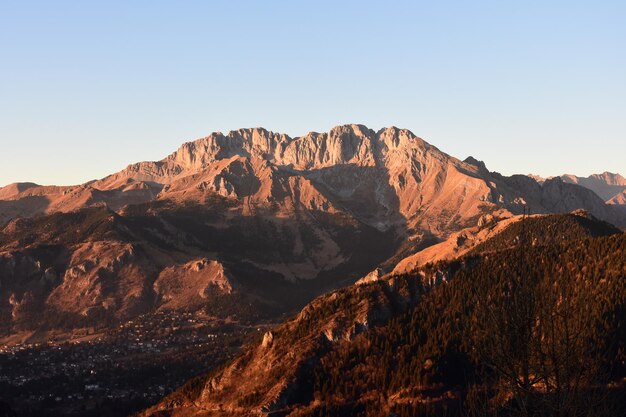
311, 261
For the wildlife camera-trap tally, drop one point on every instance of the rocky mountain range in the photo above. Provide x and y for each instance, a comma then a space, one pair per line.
608, 186
406, 179
249, 224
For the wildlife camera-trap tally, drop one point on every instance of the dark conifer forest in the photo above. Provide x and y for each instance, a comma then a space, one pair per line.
532, 322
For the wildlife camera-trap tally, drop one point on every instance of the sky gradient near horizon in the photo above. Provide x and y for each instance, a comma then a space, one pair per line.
87, 88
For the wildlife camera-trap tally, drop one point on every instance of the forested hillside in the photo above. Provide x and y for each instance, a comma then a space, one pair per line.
531, 328
532, 325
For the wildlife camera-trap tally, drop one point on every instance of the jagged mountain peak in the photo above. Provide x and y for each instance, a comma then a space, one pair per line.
349, 143
477, 163
607, 185
610, 178
606, 177
386, 178
537, 178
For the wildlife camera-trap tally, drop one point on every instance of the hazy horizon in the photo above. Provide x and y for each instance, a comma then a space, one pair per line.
532, 88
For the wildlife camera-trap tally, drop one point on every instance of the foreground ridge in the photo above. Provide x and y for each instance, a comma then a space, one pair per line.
417, 343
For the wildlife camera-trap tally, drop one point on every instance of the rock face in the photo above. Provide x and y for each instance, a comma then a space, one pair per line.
187, 286
618, 199
384, 178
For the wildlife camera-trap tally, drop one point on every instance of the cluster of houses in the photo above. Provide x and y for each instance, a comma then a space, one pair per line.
107, 367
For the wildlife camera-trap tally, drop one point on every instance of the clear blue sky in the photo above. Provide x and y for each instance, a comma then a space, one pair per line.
89, 87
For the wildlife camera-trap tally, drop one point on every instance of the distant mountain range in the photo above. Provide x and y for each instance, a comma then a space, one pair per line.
252, 223
608, 186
